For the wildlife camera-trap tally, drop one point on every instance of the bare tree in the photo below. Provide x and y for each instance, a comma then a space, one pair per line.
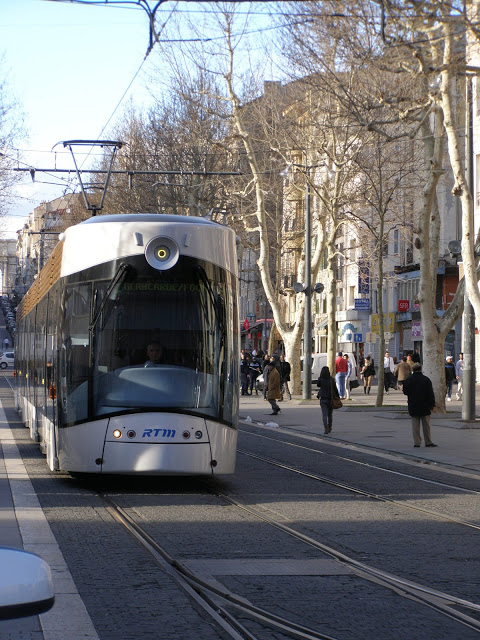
387, 181
383, 72
179, 140
12, 131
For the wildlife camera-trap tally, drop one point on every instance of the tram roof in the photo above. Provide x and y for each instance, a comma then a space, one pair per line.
149, 217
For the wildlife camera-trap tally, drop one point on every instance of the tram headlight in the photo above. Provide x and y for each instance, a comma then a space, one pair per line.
117, 434
186, 435
162, 253
198, 435
131, 433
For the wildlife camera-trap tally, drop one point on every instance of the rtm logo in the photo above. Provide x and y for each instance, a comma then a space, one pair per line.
155, 433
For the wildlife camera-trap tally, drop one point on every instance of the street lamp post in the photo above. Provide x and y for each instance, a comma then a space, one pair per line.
469, 375
306, 286
307, 330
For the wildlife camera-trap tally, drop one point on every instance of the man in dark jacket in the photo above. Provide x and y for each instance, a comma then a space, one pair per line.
449, 376
285, 370
421, 401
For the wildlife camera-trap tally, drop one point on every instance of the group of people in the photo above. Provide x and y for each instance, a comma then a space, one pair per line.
396, 372
407, 373
415, 385
276, 376
454, 372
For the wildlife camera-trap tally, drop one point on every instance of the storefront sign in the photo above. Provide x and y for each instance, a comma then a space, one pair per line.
362, 304
417, 329
388, 321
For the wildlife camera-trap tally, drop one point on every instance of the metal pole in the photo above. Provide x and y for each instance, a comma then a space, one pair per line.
307, 335
468, 398
264, 328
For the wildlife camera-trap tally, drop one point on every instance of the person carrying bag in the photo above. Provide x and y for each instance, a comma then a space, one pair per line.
328, 396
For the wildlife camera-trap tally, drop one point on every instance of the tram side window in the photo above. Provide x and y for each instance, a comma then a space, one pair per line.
75, 352
40, 327
51, 351
29, 353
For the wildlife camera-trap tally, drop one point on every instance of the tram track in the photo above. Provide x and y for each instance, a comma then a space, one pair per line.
366, 450
215, 600
217, 603
367, 494
206, 595
211, 596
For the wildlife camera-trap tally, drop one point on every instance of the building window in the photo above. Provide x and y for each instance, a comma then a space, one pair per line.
396, 242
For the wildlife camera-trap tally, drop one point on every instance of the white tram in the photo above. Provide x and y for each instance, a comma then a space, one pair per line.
127, 348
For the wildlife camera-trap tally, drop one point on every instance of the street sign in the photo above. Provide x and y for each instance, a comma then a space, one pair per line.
362, 304
246, 324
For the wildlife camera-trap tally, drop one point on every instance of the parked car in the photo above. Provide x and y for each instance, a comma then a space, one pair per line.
319, 360
7, 359
26, 586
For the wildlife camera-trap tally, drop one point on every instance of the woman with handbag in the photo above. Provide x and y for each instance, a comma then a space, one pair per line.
328, 396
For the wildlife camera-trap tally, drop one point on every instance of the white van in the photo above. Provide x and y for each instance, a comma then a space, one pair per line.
319, 360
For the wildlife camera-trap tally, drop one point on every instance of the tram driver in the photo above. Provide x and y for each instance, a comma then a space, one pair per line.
155, 354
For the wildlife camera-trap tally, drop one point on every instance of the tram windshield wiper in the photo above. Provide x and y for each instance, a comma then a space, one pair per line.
216, 304
111, 294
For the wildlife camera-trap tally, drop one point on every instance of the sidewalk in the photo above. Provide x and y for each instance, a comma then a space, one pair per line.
23, 525
385, 429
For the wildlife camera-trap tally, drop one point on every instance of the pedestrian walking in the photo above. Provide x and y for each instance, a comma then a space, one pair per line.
273, 388
388, 367
449, 376
327, 390
421, 400
347, 377
285, 370
402, 371
459, 376
341, 369
368, 373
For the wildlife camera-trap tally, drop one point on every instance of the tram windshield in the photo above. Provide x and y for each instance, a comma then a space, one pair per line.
162, 341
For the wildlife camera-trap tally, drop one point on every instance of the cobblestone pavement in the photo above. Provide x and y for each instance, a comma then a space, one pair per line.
126, 596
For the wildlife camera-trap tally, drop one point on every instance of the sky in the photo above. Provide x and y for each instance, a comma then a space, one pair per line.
68, 66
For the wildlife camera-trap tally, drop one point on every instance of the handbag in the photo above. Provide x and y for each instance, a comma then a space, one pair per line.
335, 402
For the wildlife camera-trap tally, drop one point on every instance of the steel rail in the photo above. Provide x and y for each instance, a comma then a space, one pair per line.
199, 586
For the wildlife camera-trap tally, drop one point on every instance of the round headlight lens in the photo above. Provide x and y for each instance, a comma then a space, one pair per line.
162, 253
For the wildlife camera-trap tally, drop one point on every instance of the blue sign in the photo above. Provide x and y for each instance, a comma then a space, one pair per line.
362, 304
363, 276
357, 337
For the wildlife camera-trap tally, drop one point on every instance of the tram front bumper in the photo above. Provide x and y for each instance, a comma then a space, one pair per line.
157, 459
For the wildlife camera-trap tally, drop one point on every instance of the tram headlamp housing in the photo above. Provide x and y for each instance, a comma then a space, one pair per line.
117, 434
162, 253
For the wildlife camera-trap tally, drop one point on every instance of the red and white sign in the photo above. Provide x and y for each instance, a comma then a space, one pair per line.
403, 305
246, 324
